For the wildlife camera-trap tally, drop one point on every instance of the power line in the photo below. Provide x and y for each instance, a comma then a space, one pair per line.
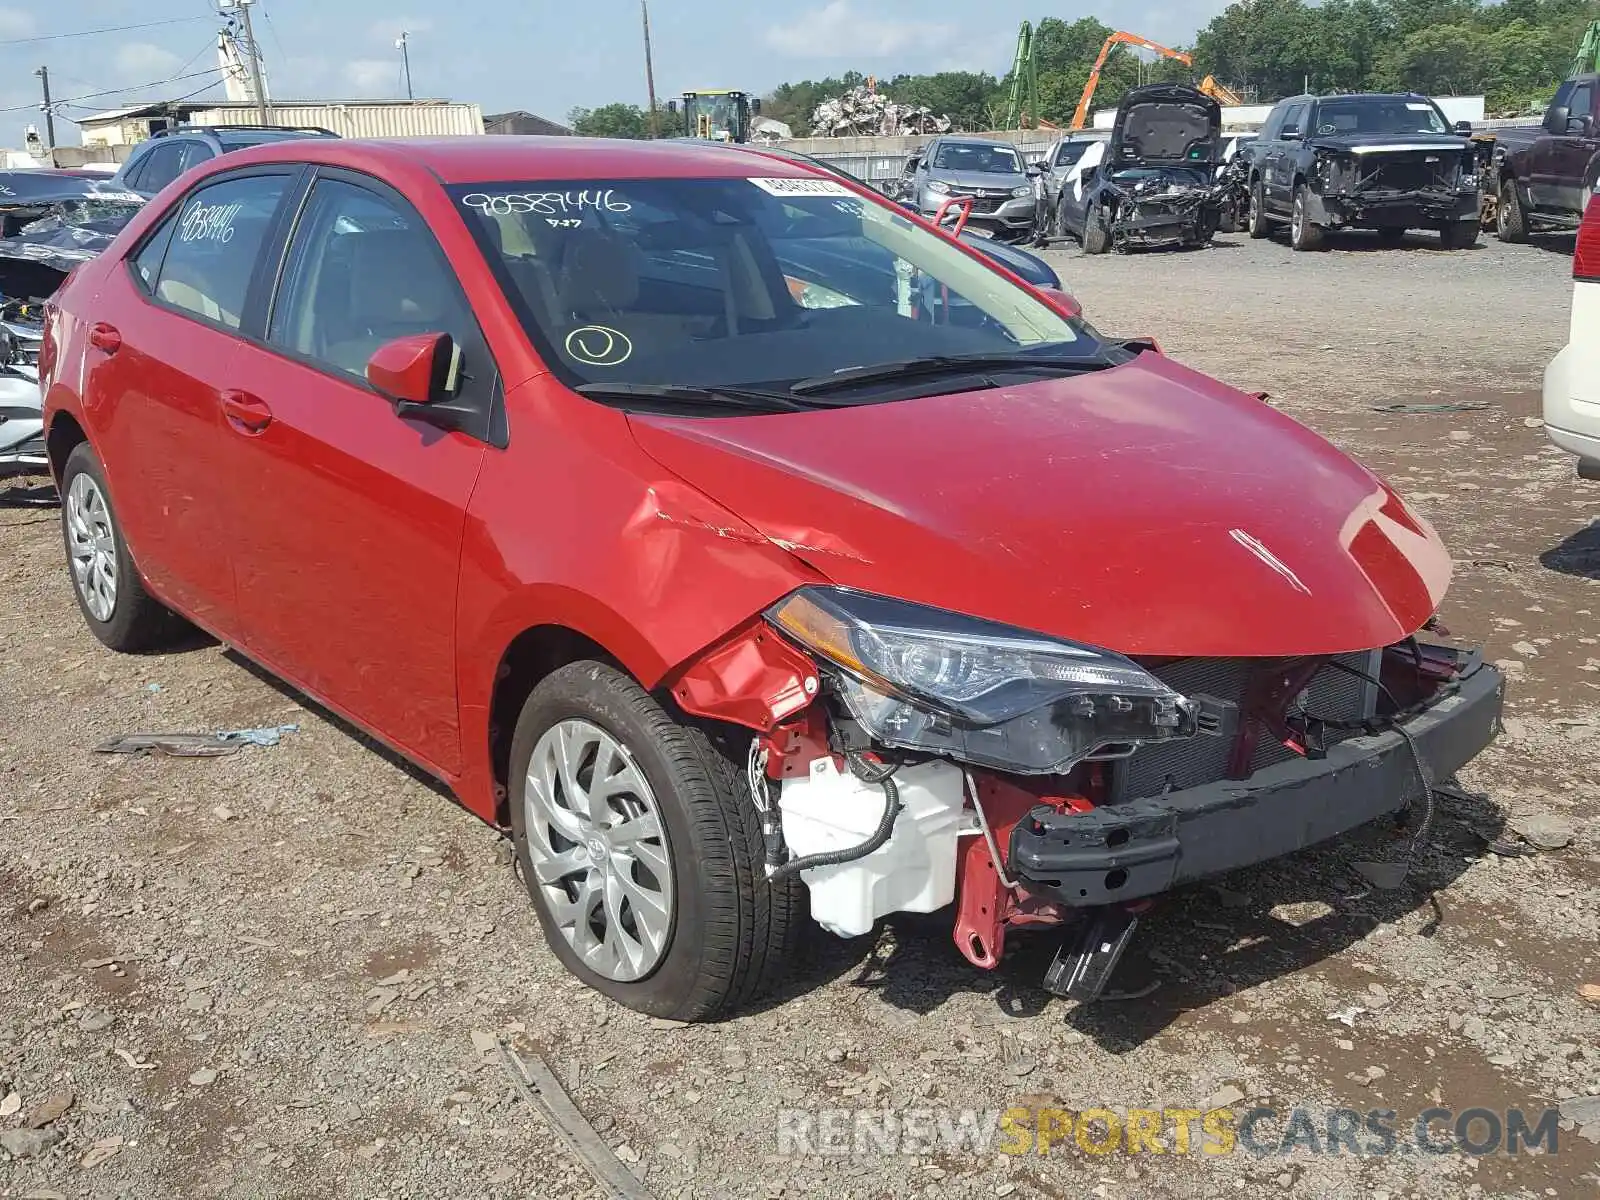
72, 101
56, 37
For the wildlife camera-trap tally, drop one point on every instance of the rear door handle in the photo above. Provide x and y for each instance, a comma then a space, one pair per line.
248, 414
105, 338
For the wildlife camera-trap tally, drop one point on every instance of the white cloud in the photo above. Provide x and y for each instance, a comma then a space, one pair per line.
14, 23
373, 77
143, 62
837, 29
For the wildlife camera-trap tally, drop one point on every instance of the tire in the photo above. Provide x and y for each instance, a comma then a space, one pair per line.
1304, 233
723, 934
1392, 235
1459, 235
1096, 237
110, 592
1511, 219
1259, 225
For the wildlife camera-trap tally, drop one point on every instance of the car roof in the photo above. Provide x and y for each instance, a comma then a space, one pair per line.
484, 159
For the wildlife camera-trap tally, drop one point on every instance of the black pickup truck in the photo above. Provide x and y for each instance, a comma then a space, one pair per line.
1385, 162
1543, 176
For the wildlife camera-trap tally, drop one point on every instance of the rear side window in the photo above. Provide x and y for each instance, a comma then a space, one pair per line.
363, 271
213, 246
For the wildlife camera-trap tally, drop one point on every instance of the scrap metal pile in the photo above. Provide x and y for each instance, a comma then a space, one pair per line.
864, 113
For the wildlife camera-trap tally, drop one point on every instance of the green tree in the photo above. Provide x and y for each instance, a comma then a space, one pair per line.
612, 121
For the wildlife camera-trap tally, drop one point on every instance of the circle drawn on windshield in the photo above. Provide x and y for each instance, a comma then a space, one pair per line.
599, 346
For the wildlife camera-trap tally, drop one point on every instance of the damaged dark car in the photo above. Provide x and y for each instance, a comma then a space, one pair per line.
1390, 163
1157, 184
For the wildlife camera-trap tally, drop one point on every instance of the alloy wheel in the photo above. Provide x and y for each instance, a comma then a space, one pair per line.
92, 545
598, 851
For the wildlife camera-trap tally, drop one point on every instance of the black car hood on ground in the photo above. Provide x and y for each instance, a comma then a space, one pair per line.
1166, 124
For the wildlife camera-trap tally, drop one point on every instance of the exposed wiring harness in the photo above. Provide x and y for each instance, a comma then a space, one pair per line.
771, 819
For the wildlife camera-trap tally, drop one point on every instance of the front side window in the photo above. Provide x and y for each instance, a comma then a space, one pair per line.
1582, 102
988, 160
165, 163
735, 281
363, 271
1294, 120
215, 241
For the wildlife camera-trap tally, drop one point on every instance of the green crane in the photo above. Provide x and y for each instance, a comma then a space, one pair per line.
1588, 60
1023, 109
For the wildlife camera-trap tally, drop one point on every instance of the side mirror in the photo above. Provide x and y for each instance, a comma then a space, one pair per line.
1464, 129
1290, 135
1555, 121
1033, 169
1064, 302
421, 375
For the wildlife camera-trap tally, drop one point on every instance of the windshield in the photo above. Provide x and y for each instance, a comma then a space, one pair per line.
1382, 114
742, 282
989, 160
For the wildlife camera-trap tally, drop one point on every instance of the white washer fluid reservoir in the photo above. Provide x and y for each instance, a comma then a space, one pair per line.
914, 871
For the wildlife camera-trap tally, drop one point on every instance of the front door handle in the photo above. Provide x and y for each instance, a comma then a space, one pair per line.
105, 338
246, 413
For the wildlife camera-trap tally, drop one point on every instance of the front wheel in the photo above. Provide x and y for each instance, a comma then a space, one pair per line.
1259, 226
1096, 234
1511, 219
641, 849
110, 592
1304, 233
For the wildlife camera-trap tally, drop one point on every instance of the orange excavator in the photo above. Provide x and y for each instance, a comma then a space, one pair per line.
1209, 85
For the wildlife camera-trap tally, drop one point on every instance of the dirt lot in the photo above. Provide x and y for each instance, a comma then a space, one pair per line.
259, 976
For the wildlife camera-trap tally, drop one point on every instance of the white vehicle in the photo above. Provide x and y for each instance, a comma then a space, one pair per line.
22, 449
1572, 380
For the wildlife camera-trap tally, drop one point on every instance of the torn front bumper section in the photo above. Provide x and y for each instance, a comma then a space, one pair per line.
1129, 851
1377, 209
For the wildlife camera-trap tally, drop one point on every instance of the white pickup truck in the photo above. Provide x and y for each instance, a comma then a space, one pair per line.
1572, 380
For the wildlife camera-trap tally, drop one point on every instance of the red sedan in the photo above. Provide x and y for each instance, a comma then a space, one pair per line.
739, 541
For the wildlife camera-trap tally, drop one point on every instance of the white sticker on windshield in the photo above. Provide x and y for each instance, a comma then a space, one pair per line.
1420, 107
802, 187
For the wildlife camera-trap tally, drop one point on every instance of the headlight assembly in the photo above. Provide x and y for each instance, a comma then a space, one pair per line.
1020, 192
920, 678
939, 187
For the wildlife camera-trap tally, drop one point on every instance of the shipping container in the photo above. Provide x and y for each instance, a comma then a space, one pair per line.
359, 119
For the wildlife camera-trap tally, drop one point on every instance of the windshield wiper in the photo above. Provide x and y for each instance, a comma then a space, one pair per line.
943, 364
745, 399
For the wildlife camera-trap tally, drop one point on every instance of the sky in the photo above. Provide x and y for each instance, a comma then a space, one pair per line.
545, 56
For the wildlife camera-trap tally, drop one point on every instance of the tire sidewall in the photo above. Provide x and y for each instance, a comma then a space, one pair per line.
83, 461
595, 695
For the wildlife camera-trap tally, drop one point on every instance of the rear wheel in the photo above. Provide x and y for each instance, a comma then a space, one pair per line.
1259, 226
641, 849
1511, 219
1304, 233
1459, 235
111, 595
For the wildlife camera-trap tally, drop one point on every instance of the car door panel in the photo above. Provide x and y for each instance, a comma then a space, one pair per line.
174, 314
350, 518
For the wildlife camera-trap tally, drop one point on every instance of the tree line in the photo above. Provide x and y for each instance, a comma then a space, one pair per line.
1513, 52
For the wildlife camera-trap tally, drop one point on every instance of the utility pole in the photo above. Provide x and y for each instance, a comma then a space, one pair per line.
649, 68
403, 45
49, 115
242, 7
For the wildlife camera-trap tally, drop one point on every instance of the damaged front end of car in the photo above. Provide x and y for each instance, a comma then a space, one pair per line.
1171, 208
904, 758
1378, 187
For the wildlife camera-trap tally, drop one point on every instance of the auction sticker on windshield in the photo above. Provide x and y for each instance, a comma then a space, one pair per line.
802, 187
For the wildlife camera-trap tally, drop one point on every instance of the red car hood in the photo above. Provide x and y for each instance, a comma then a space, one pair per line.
1147, 509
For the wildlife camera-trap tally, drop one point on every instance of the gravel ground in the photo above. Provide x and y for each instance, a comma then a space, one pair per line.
260, 976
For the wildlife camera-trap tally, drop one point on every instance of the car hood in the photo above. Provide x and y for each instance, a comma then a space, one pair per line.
1146, 508
991, 181
1386, 143
1166, 123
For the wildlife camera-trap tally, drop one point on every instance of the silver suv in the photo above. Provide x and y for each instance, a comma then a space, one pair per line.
992, 173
